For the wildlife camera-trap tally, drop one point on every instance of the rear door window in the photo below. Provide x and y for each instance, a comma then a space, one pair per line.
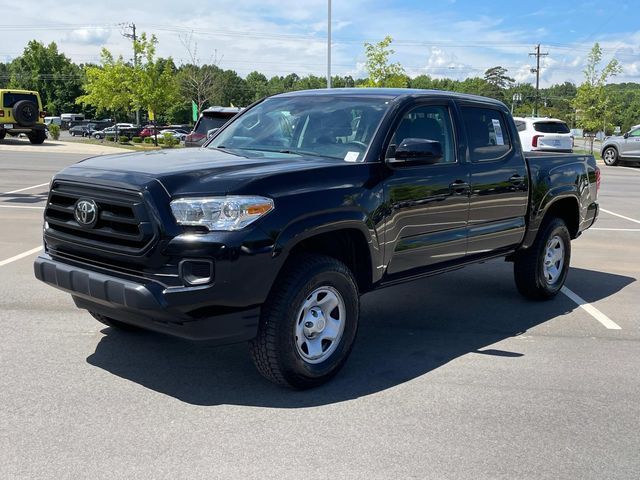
10, 99
551, 127
487, 133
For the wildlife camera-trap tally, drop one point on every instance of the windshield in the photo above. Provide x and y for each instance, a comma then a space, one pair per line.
551, 127
321, 125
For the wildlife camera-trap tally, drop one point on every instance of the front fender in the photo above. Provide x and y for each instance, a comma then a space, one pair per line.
331, 221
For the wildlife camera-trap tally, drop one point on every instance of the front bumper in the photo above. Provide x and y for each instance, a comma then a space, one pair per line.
149, 304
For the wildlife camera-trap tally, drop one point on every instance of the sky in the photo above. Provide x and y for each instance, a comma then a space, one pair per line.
440, 38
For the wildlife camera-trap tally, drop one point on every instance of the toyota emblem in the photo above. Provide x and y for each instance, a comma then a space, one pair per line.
86, 213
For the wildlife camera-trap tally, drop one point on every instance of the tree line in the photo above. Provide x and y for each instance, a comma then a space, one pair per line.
117, 87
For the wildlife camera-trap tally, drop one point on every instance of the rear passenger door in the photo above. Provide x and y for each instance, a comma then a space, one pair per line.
427, 205
498, 178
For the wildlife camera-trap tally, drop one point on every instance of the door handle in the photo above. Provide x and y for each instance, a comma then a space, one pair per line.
459, 187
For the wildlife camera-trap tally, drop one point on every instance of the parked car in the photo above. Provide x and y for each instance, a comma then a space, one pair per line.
301, 204
210, 119
21, 113
544, 134
177, 134
82, 130
622, 148
126, 129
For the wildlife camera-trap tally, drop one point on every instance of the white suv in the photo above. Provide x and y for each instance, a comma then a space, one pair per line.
544, 134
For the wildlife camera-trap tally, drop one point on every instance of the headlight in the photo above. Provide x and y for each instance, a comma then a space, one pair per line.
220, 213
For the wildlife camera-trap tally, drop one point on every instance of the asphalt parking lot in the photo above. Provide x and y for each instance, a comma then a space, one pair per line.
452, 377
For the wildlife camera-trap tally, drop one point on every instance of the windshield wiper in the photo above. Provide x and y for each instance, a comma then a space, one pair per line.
297, 152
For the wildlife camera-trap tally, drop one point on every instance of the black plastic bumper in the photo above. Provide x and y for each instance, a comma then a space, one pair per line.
147, 304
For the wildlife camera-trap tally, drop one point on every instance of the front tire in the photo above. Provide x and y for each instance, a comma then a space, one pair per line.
308, 324
541, 270
610, 156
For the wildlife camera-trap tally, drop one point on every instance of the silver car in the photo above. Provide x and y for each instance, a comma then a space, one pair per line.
622, 148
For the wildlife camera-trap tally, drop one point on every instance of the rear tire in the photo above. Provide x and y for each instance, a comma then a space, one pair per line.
610, 156
117, 324
541, 270
308, 324
37, 137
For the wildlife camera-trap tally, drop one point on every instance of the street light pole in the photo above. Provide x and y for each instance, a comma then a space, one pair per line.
329, 45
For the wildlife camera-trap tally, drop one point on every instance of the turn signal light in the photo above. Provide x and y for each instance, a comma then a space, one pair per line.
43, 114
597, 179
1, 113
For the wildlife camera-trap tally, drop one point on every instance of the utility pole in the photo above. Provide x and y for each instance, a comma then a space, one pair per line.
133, 37
537, 54
329, 44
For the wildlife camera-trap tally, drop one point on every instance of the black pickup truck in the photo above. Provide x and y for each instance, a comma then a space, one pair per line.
305, 201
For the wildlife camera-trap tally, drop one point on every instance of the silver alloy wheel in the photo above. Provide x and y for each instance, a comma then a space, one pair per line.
320, 324
553, 260
609, 156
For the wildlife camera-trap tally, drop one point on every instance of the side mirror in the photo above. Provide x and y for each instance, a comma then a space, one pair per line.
417, 151
211, 132
626, 135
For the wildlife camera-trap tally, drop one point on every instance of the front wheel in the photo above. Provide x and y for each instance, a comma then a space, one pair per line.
610, 156
541, 270
309, 323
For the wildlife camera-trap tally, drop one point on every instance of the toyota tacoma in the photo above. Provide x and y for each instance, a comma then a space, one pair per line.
303, 202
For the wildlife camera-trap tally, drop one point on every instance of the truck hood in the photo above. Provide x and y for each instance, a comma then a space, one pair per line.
192, 171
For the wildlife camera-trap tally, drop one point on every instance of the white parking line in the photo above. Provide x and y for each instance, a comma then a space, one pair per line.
618, 215
21, 206
27, 188
616, 229
591, 310
19, 256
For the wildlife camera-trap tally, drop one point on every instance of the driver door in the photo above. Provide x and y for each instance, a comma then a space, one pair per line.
427, 205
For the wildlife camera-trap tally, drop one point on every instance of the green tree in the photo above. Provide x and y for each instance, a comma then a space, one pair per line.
497, 76
592, 100
51, 73
257, 86
381, 72
108, 86
152, 82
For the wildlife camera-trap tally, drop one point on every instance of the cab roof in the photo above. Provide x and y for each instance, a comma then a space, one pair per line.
391, 93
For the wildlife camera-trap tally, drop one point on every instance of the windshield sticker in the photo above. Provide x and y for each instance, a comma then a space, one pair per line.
498, 131
351, 156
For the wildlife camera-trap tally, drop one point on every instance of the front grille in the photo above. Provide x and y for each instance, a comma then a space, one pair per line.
123, 223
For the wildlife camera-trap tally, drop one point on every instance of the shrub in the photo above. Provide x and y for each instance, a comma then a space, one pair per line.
110, 138
54, 131
160, 140
136, 139
148, 140
170, 141
123, 139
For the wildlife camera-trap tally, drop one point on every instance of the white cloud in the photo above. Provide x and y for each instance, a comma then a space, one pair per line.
89, 36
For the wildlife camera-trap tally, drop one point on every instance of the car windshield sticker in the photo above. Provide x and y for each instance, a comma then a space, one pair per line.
498, 131
351, 156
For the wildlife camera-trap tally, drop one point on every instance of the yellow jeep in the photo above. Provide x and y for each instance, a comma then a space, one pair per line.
21, 112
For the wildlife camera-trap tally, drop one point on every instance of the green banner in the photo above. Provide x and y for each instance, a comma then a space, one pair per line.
194, 111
